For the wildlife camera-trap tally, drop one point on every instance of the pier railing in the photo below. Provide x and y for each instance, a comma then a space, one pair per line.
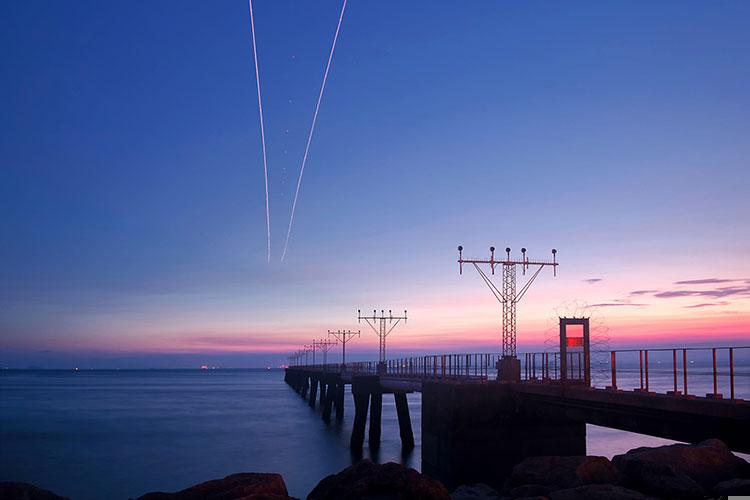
687, 371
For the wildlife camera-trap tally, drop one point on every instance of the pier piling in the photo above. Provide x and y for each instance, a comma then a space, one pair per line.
313, 390
376, 411
404, 422
361, 402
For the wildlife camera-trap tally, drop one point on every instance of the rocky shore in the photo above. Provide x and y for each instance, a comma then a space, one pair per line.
705, 470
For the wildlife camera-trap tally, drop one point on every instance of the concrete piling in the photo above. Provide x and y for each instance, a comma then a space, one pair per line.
376, 411
313, 391
341, 390
361, 402
404, 422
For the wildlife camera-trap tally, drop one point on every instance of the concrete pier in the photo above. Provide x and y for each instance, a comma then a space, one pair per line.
477, 432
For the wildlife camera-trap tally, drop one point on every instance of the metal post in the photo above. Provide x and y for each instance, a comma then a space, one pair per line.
713, 352
647, 371
555, 355
674, 368
684, 372
731, 373
613, 362
640, 366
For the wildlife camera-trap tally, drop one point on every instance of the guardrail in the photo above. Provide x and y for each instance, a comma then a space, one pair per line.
711, 370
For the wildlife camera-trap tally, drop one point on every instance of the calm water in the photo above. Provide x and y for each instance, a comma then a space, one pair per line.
119, 434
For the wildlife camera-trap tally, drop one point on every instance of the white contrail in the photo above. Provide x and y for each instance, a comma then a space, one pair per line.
312, 129
262, 130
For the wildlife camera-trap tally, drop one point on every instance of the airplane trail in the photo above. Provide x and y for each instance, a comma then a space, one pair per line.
312, 129
262, 131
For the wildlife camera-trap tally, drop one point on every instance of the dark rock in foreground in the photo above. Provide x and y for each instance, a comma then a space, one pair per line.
366, 480
478, 491
243, 486
680, 470
551, 472
597, 492
10, 490
736, 487
530, 490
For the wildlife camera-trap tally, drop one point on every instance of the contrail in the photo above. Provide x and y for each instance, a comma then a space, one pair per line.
312, 129
262, 130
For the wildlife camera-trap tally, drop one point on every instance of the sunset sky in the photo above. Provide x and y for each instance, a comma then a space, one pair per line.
131, 184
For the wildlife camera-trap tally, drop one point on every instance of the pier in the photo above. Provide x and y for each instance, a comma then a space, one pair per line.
478, 423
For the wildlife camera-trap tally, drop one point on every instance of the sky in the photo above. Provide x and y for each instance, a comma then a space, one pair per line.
131, 176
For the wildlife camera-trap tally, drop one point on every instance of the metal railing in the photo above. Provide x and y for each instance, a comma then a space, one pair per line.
710, 370
671, 370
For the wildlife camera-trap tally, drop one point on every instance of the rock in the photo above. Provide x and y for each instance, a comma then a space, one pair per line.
597, 492
366, 480
242, 486
530, 490
680, 470
10, 490
478, 491
564, 472
733, 487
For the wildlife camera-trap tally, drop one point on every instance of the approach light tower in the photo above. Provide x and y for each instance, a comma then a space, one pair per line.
343, 336
385, 326
310, 349
325, 345
509, 366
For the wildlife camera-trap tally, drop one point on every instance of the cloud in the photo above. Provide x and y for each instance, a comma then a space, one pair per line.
708, 304
592, 281
726, 291
642, 292
618, 304
706, 281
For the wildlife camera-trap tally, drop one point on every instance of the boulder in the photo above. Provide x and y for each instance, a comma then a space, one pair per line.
680, 470
478, 491
530, 490
564, 472
242, 486
366, 480
737, 487
10, 490
597, 492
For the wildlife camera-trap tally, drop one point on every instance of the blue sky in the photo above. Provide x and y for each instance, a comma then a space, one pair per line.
131, 184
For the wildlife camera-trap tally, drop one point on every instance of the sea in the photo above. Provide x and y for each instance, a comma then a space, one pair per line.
101, 434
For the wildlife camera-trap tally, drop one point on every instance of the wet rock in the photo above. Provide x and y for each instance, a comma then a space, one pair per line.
242, 486
366, 480
10, 490
530, 490
597, 492
476, 492
564, 472
680, 470
733, 487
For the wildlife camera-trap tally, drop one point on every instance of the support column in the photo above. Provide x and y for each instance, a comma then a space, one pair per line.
340, 391
323, 386
313, 390
330, 391
376, 410
305, 386
404, 422
361, 402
